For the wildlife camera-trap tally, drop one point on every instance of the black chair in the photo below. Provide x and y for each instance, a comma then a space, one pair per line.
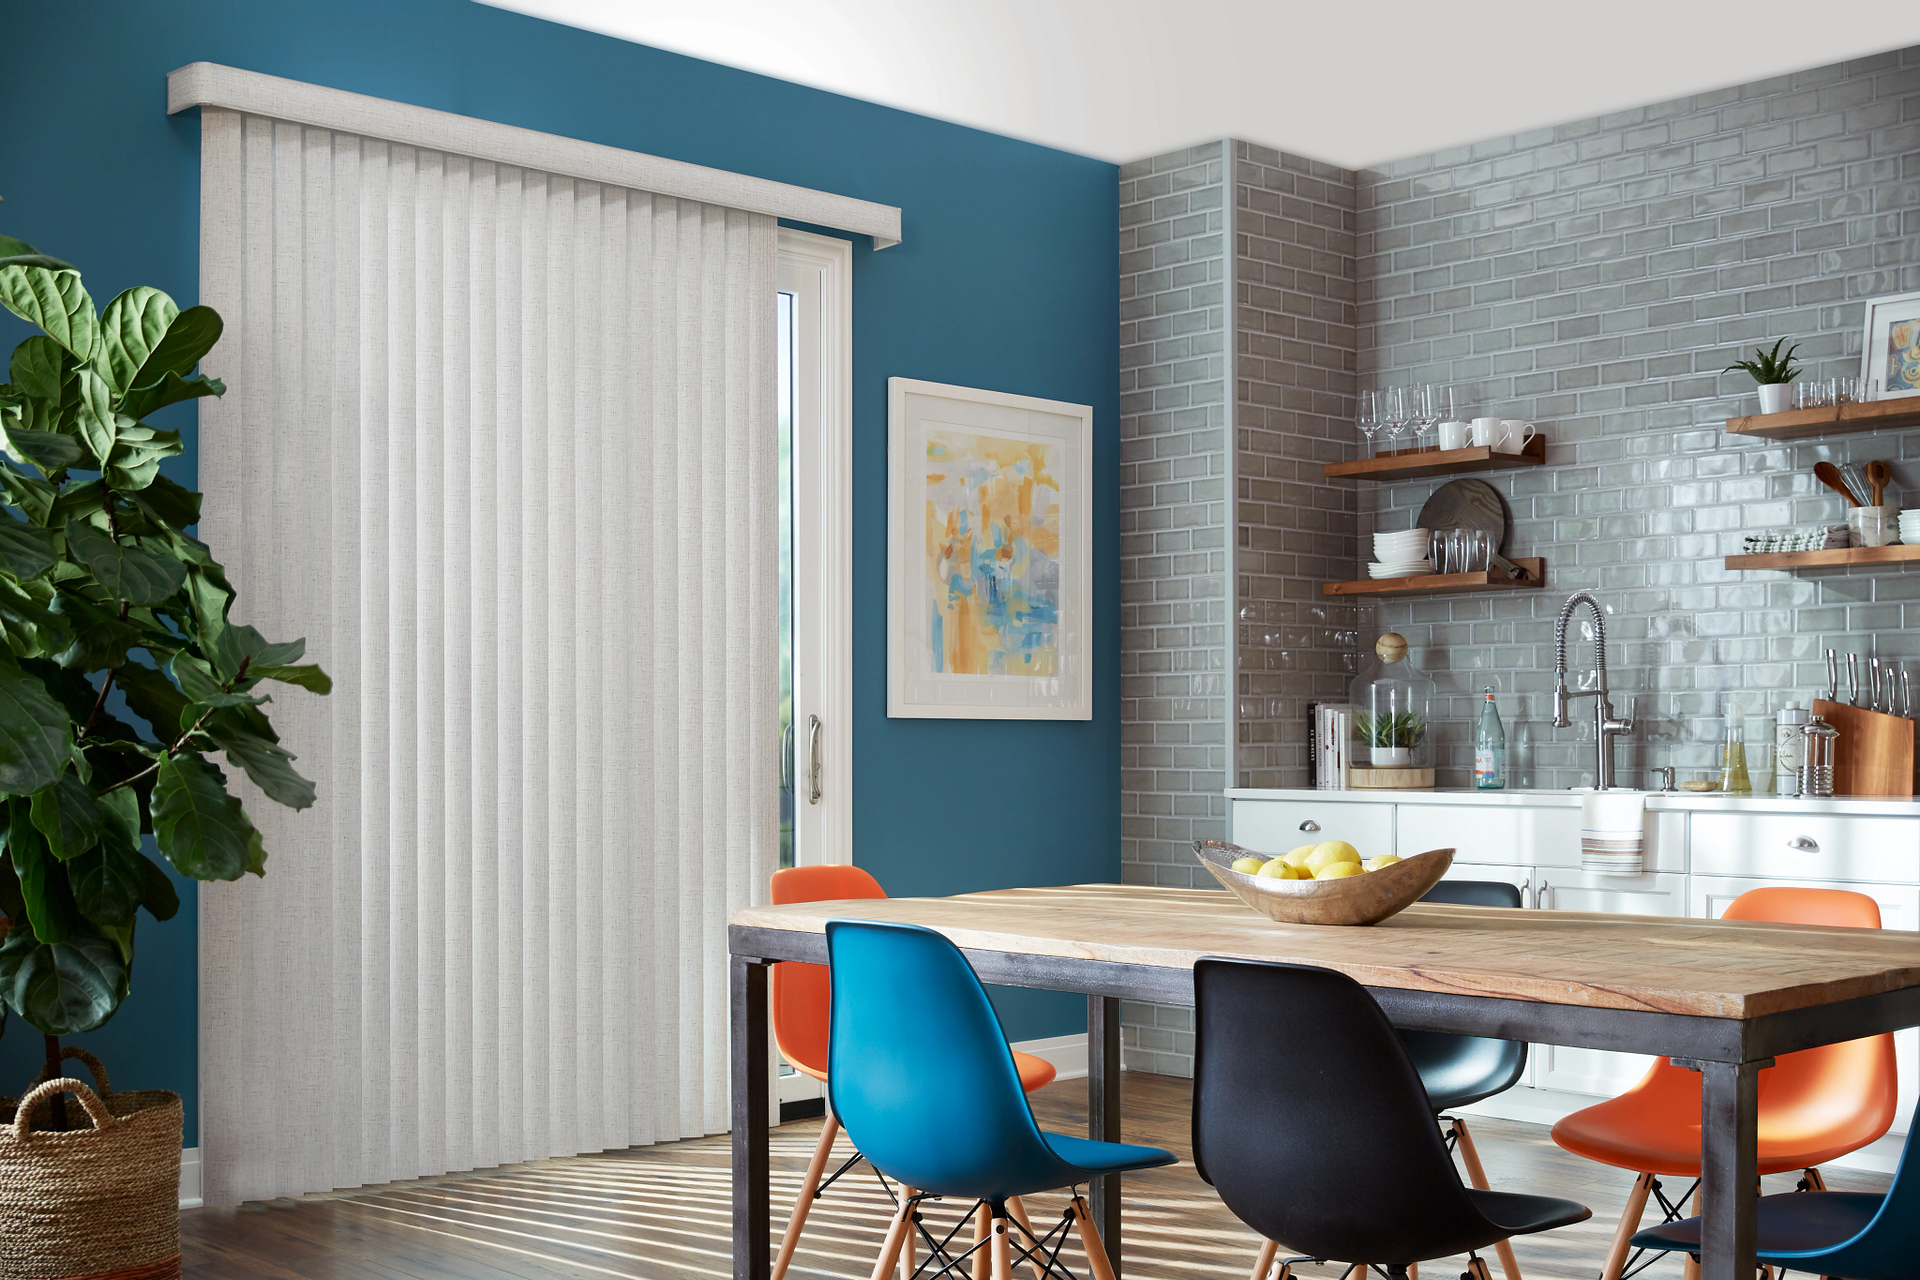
1307, 1108
1460, 1070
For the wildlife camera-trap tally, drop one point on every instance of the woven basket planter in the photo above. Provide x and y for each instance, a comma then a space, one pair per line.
100, 1203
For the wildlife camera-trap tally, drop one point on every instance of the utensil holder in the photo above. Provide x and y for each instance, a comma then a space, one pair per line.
1873, 526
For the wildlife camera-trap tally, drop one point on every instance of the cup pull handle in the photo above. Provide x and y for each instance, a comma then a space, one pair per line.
1808, 843
813, 759
1309, 825
1544, 896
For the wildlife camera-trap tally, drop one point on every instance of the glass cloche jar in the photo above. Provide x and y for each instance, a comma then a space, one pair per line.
1392, 710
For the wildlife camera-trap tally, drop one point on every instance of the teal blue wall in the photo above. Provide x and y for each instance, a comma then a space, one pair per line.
1007, 280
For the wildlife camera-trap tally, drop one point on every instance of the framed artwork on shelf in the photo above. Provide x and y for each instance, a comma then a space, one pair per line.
1890, 349
989, 554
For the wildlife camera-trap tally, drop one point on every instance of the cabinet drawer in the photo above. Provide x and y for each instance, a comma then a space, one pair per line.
1515, 837
1806, 847
1275, 826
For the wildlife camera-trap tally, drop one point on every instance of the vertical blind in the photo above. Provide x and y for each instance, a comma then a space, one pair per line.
500, 444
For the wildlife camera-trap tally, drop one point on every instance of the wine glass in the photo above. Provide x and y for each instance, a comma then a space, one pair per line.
1393, 416
1426, 403
1367, 417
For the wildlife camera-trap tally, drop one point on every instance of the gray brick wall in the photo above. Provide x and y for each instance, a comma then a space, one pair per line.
1596, 278
1293, 289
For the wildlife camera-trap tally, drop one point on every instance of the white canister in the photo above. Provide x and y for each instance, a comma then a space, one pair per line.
1789, 746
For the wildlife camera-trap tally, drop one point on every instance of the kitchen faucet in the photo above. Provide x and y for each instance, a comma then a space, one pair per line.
1605, 727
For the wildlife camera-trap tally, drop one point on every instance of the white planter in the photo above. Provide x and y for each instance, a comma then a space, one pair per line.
1776, 397
1391, 757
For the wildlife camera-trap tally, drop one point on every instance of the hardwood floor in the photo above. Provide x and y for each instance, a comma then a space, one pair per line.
663, 1212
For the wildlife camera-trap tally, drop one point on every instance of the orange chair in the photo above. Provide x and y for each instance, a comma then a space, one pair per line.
802, 1000
1815, 1105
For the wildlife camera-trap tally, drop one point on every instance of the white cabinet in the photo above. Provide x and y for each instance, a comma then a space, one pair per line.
1784, 846
1517, 836
1899, 909
1275, 826
1599, 1071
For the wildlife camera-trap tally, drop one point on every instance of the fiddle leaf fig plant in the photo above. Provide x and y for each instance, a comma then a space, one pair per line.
103, 588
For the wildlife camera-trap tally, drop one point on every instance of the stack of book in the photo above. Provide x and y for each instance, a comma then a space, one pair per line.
1331, 728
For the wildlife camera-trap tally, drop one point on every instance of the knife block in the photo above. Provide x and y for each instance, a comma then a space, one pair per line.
1874, 756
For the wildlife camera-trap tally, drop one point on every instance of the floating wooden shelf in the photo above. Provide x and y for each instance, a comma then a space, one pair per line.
1436, 584
1834, 420
1410, 464
1835, 558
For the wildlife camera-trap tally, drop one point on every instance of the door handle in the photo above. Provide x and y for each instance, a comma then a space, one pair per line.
1544, 897
1526, 895
1808, 843
1309, 825
813, 759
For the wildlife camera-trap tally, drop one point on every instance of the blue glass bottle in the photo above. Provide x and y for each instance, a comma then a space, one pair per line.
1490, 748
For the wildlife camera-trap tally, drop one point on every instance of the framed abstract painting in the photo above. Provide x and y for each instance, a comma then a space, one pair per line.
1890, 348
989, 529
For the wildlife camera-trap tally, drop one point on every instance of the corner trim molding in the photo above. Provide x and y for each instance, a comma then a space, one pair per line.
208, 84
191, 1189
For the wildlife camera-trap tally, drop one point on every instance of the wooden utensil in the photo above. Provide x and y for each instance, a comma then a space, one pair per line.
1472, 504
1363, 899
1878, 474
1829, 475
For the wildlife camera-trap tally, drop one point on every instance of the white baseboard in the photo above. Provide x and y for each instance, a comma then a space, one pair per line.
190, 1185
1549, 1106
1068, 1054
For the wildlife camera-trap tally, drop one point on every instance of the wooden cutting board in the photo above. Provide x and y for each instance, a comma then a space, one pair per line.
1874, 753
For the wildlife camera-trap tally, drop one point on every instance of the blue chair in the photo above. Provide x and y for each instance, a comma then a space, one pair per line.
1849, 1235
923, 1082
1460, 1070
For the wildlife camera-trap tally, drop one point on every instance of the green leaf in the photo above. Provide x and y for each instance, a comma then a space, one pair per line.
202, 830
168, 502
195, 678
26, 551
19, 251
157, 893
31, 630
211, 597
65, 813
128, 572
30, 493
39, 367
76, 502
96, 418
48, 450
131, 329
121, 811
43, 884
269, 764
190, 335
307, 677
55, 300
12, 902
256, 850
98, 637
35, 733
150, 694
64, 988
108, 883
171, 389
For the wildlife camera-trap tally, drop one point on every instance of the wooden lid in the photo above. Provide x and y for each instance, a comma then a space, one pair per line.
1392, 647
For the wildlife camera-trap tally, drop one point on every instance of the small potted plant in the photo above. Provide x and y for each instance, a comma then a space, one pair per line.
1774, 372
1390, 736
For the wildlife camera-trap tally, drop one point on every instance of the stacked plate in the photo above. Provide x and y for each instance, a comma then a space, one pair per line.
1910, 527
1401, 555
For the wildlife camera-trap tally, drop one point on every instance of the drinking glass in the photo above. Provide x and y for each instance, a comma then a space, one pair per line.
1394, 416
1479, 551
1368, 417
1426, 415
1848, 391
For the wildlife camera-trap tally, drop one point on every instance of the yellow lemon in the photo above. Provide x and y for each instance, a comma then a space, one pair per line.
1249, 866
1328, 852
1273, 869
1297, 858
1384, 860
1338, 871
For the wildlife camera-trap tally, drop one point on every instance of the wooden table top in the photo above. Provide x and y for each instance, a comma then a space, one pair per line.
1709, 968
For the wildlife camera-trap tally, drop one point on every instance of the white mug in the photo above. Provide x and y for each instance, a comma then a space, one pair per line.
1485, 431
1513, 435
1453, 435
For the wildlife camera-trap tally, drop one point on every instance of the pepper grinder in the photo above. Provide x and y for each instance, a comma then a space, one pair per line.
1816, 760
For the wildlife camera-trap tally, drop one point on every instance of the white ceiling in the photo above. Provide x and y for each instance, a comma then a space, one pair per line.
1341, 80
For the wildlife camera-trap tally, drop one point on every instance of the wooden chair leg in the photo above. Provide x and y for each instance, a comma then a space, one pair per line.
1690, 1268
982, 1225
907, 1267
1090, 1241
1002, 1251
1814, 1181
1413, 1271
1629, 1223
1470, 1156
809, 1188
896, 1236
1264, 1263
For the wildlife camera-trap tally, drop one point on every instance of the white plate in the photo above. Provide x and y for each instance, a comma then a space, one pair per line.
1414, 570
1386, 546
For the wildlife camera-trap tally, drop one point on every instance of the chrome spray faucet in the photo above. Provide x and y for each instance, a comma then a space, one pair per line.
1605, 726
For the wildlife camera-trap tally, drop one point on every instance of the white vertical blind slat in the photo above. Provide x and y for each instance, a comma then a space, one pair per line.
500, 447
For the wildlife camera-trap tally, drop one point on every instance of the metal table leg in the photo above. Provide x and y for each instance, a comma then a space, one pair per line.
1103, 1114
1729, 1170
752, 1163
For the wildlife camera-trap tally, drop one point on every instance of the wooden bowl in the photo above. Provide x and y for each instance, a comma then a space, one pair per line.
1361, 899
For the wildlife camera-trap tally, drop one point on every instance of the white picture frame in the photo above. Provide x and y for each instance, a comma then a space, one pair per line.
989, 602
1877, 344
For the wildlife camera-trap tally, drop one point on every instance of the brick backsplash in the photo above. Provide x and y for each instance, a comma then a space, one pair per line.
1595, 278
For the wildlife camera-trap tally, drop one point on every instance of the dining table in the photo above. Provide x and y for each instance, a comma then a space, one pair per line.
1720, 997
